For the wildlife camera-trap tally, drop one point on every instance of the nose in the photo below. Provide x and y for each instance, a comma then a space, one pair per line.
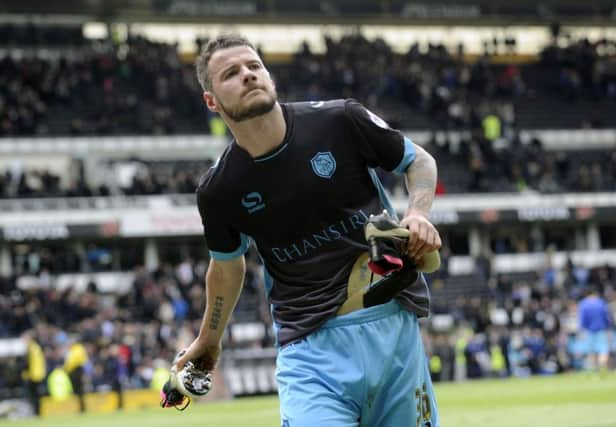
249, 75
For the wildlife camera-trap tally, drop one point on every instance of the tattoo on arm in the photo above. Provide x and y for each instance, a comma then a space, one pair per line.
216, 312
421, 183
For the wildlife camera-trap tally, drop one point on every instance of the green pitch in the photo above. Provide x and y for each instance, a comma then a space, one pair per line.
579, 400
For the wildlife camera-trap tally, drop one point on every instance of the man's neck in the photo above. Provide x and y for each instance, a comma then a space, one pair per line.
262, 134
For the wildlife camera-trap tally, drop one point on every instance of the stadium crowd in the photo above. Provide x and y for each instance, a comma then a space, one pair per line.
508, 326
584, 69
142, 87
434, 82
139, 87
126, 335
520, 324
477, 165
124, 177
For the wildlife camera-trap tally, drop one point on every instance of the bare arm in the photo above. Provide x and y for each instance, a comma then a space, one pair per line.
421, 183
224, 282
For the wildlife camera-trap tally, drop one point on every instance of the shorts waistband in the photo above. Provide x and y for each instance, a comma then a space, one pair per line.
364, 315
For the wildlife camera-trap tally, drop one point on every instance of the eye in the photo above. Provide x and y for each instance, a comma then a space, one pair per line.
229, 74
255, 66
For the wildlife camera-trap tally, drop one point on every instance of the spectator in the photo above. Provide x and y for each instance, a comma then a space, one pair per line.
595, 320
74, 365
36, 370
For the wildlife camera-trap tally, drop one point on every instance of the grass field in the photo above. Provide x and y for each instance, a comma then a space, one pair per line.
577, 400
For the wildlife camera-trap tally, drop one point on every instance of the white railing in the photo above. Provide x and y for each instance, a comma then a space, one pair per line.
207, 146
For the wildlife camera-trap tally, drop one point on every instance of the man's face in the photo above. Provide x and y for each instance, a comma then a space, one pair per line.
241, 86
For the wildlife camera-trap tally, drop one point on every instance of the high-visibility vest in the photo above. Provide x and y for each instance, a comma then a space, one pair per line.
59, 384
77, 356
460, 346
37, 366
498, 359
491, 127
435, 364
218, 126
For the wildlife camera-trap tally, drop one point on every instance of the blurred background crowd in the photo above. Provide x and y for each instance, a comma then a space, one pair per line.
497, 323
505, 324
144, 88
474, 165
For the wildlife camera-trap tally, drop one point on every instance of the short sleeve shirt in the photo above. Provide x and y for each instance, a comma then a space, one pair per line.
304, 206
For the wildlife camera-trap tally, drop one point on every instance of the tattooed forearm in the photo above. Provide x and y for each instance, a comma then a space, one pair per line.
421, 182
223, 285
216, 312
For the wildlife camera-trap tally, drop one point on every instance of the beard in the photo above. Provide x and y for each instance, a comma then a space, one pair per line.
240, 113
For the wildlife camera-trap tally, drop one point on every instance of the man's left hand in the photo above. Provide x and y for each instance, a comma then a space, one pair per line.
424, 236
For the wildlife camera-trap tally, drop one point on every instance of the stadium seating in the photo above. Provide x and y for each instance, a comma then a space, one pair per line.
100, 239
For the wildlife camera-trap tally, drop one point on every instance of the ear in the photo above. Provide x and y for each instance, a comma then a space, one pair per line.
210, 101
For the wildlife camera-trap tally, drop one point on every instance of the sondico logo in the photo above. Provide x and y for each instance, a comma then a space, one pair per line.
253, 202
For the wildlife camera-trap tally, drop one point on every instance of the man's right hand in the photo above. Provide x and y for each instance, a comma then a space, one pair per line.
190, 375
203, 355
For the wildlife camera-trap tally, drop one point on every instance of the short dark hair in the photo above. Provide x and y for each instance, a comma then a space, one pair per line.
590, 289
222, 41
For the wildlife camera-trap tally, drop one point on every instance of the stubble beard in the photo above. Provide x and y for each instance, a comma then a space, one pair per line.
240, 114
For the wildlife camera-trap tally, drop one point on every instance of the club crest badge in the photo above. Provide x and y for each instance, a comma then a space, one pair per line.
324, 164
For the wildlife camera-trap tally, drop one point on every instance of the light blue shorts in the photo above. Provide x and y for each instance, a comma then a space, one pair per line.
365, 368
596, 342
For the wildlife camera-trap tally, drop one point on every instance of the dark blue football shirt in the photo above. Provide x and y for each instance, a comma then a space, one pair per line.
304, 206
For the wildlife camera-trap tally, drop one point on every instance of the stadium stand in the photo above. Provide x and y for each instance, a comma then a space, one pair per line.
142, 87
105, 247
505, 166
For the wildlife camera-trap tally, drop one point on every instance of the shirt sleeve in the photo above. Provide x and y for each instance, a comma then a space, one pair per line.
224, 242
379, 144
